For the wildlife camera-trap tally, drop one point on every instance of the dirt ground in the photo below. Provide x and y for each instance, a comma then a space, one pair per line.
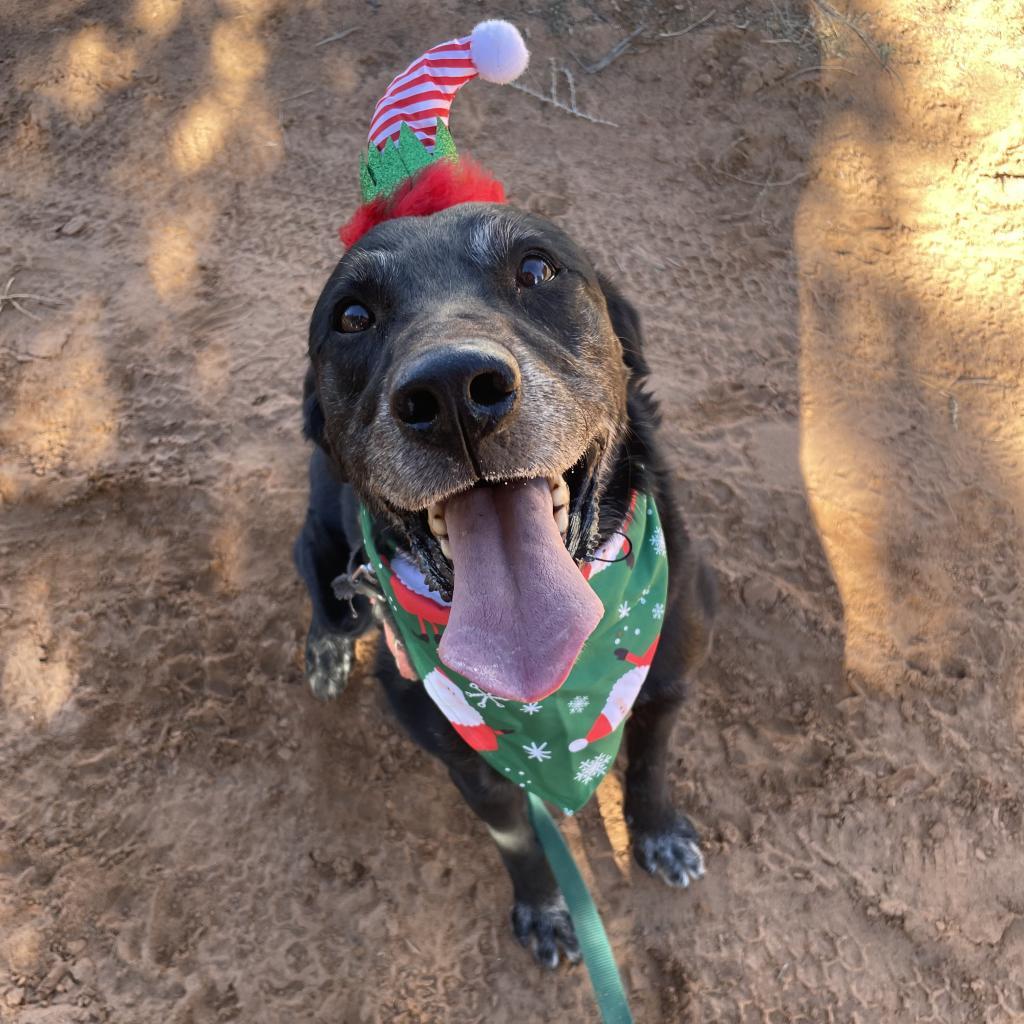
821, 216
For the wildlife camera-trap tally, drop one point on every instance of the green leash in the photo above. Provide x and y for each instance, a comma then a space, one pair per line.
597, 952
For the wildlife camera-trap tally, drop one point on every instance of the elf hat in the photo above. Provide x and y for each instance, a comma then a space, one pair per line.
411, 167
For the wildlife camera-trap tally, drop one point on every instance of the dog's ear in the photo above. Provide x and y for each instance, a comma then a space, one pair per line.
626, 321
643, 409
312, 415
314, 424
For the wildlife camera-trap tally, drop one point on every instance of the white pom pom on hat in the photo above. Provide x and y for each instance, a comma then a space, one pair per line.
498, 51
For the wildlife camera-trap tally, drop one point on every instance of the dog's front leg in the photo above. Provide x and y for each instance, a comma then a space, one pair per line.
540, 918
664, 840
322, 553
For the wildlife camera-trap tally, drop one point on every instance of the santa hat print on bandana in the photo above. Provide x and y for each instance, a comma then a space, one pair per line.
411, 166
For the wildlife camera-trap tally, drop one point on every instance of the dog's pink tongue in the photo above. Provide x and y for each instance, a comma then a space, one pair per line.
521, 608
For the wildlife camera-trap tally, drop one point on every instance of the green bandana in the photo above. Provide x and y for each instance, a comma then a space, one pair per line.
562, 746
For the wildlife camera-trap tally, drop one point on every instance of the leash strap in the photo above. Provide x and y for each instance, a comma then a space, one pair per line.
597, 952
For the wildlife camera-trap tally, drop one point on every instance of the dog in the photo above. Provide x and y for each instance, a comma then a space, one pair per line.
465, 353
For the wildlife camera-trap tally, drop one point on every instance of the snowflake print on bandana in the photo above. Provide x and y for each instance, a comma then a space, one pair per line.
578, 704
658, 611
623, 610
483, 698
593, 767
531, 709
537, 751
658, 541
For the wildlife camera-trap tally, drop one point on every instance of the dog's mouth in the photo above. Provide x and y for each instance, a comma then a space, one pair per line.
438, 522
521, 608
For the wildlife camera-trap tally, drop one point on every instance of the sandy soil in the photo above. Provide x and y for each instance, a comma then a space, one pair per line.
823, 226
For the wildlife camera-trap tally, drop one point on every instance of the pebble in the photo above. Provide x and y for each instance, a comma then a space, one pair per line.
761, 593
46, 342
73, 227
53, 978
731, 835
14, 996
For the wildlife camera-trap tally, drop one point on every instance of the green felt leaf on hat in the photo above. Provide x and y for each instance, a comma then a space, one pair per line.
368, 163
444, 144
392, 169
414, 154
366, 181
382, 171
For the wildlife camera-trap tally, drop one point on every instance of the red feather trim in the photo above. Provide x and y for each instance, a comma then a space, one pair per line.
436, 187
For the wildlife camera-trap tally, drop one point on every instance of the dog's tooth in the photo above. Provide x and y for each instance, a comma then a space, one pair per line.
445, 548
559, 494
562, 519
435, 518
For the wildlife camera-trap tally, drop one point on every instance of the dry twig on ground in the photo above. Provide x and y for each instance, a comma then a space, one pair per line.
553, 99
337, 36
614, 53
689, 28
883, 58
14, 299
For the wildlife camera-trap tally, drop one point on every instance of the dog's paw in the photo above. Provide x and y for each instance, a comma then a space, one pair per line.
547, 931
329, 658
673, 852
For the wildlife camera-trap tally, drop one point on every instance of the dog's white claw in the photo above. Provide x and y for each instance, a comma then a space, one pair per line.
697, 869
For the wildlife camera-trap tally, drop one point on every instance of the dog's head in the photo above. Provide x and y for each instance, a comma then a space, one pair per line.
471, 384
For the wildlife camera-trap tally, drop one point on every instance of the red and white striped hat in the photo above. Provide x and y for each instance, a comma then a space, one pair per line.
422, 94
411, 167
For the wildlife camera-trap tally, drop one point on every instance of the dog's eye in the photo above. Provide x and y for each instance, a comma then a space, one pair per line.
534, 270
351, 318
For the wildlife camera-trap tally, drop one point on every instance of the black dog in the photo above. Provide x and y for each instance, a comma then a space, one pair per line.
466, 349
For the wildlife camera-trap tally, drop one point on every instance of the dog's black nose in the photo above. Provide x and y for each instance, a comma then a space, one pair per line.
464, 391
